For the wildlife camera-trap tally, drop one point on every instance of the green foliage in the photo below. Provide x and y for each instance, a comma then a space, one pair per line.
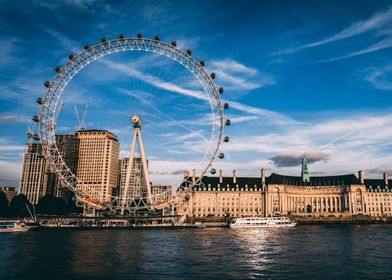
50, 205
18, 206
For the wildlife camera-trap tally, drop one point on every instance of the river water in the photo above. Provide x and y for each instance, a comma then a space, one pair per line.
304, 252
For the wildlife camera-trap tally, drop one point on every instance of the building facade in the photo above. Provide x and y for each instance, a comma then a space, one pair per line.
34, 177
303, 196
68, 146
137, 186
228, 197
97, 168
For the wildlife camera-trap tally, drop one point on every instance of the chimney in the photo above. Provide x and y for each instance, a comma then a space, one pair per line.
234, 176
193, 176
361, 177
385, 178
220, 176
262, 177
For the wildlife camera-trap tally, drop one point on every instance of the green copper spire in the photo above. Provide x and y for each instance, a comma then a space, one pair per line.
305, 172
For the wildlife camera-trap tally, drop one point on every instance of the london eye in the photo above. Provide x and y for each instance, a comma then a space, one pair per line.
51, 103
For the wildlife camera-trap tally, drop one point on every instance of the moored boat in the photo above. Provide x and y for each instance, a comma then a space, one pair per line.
261, 222
13, 226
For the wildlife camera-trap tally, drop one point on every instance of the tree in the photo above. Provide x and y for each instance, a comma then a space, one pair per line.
4, 208
43, 206
18, 206
72, 208
58, 206
50, 205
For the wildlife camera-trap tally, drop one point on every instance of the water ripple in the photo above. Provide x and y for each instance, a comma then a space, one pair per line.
321, 252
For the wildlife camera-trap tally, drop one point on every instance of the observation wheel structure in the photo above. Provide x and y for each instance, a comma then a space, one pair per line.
51, 104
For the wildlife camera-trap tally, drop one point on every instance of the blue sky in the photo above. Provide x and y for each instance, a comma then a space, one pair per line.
302, 77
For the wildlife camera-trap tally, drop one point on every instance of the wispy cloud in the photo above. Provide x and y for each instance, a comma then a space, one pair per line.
236, 76
66, 43
9, 53
374, 22
84, 5
384, 44
354, 142
270, 116
10, 161
380, 77
187, 136
154, 81
11, 118
171, 87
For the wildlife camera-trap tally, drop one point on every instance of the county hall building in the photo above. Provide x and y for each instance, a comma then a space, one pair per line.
327, 196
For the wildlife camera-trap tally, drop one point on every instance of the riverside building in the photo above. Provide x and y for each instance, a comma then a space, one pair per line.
68, 146
305, 195
136, 181
228, 196
98, 159
34, 180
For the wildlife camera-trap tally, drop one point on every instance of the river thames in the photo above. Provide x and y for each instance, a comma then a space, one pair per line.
322, 252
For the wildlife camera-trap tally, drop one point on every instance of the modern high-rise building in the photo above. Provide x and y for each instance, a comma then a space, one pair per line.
137, 185
68, 146
158, 189
97, 163
34, 180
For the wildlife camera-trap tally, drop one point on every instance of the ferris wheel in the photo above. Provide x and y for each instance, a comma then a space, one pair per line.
51, 104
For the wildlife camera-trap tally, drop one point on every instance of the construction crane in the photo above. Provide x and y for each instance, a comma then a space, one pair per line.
81, 123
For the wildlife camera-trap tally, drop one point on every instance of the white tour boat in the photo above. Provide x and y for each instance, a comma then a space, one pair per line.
260, 222
13, 226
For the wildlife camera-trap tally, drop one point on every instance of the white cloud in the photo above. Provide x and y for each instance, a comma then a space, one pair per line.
380, 77
154, 81
270, 116
384, 44
10, 118
66, 43
10, 173
236, 76
230, 65
11, 156
9, 53
157, 82
376, 21
351, 143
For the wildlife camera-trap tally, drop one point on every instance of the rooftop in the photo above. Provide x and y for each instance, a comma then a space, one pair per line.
347, 179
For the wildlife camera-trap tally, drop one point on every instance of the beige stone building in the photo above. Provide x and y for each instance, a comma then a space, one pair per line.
305, 196
34, 179
228, 197
336, 196
98, 163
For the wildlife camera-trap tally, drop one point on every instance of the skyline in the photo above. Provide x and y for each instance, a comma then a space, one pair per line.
316, 83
